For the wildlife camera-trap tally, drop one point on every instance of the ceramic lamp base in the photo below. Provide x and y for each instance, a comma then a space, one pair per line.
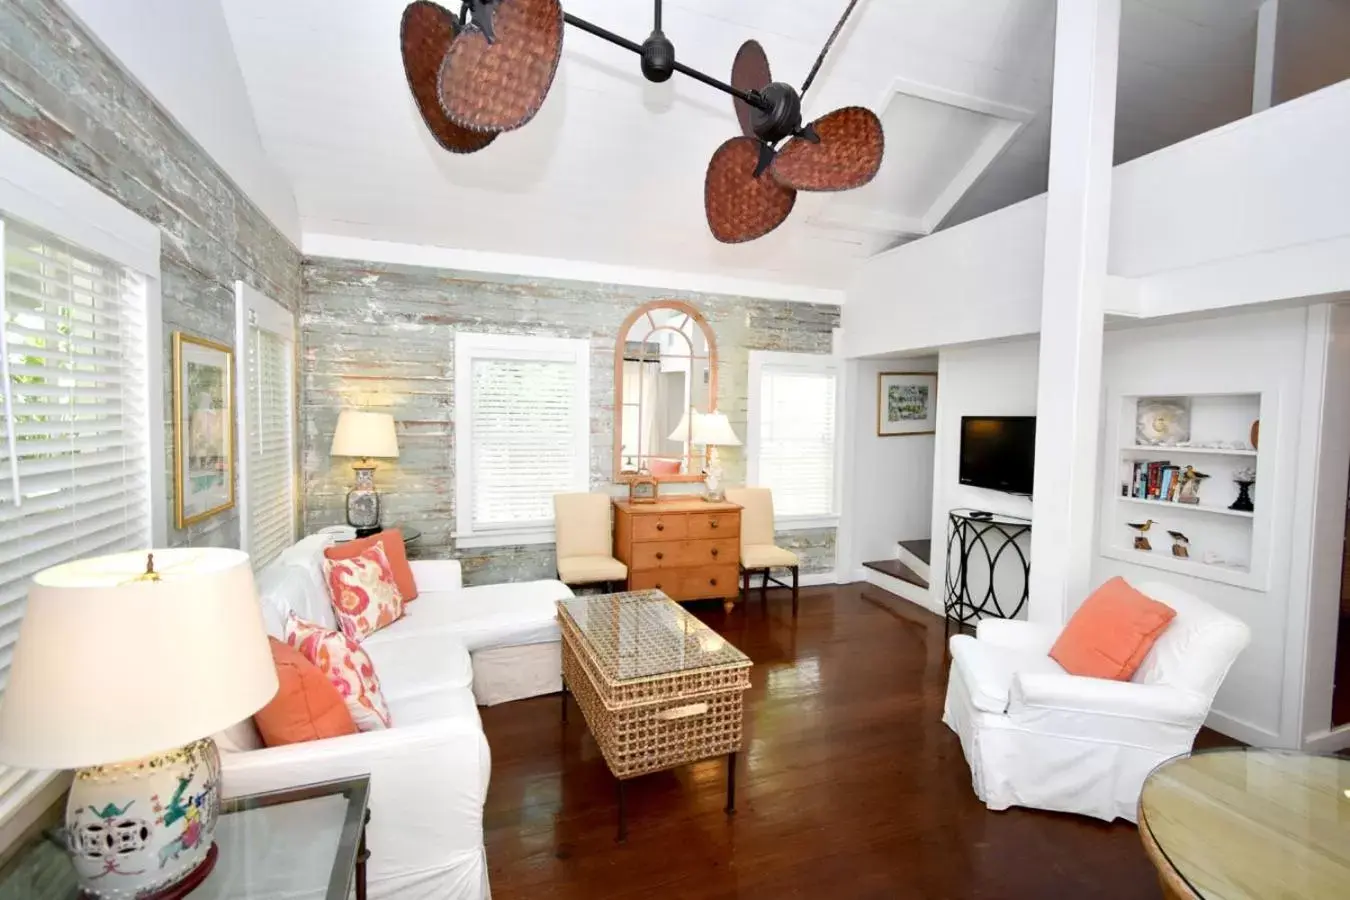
363, 502
712, 479
144, 829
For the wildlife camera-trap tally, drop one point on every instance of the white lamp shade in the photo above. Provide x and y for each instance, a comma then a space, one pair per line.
109, 668
714, 430
681, 432
361, 433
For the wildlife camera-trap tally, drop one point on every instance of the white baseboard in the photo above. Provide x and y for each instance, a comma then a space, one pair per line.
1328, 741
1242, 730
816, 579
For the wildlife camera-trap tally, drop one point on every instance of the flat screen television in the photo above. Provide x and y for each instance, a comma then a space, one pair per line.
998, 452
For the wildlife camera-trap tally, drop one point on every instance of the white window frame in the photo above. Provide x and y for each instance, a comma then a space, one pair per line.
268, 315
810, 363
41, 192
469, 346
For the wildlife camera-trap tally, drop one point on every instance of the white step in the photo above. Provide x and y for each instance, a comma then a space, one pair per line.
919, 566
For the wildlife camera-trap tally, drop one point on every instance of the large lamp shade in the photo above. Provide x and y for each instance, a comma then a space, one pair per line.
365, 434
714, 430
111, 666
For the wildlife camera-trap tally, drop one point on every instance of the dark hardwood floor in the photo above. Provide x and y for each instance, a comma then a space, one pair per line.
849, 785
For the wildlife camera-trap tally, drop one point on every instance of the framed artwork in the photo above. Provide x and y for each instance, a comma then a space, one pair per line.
906, 403
203, 428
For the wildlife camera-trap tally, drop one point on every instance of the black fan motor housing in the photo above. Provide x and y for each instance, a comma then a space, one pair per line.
658, 57
783, 118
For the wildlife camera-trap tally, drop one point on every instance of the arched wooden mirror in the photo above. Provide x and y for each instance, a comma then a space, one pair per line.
665, 367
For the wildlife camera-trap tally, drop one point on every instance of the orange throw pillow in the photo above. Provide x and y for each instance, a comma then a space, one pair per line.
307, 706
1112, 632
392, 543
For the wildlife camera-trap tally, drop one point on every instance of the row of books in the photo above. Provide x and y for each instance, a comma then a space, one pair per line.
1157, 480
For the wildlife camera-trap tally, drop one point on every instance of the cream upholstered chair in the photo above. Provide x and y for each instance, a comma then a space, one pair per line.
585, 541
758, 552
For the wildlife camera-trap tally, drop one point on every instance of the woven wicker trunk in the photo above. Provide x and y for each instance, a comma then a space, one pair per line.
658, 722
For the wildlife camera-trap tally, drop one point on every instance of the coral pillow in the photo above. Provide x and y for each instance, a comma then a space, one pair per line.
307, 706
1111, 633
364, 594
664, 467
391, 542
347, 668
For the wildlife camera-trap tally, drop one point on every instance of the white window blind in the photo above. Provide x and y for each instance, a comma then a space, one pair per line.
269, 431
795, 450
74, 453
522, 416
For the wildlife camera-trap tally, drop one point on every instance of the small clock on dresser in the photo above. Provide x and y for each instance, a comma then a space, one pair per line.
643, 489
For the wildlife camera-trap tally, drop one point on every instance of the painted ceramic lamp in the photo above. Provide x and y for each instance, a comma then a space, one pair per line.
364, 434
141, 814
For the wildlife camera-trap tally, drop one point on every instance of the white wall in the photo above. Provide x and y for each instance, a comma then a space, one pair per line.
891, 495
1260, 351
181, 52
1256, 211
997, 379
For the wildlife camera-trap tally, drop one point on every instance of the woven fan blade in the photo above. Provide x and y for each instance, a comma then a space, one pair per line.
425, 37
750, 72
848, 155
741, 207
500, 86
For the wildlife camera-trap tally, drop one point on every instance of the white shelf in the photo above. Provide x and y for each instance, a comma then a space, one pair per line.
1163, 559
1201, 451
1191, 507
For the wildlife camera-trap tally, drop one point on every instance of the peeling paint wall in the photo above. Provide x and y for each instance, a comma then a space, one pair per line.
61, 93
382, 336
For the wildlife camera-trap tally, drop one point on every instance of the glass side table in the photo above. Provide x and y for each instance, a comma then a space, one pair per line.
410, 535
307, 841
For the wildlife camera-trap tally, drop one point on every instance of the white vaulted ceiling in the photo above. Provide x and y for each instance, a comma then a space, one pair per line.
611, 171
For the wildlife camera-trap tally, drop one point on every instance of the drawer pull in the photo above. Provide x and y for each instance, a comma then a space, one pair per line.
714, 524
712, 582
660, 526
714, 552
683, 712
660, 555
658, 585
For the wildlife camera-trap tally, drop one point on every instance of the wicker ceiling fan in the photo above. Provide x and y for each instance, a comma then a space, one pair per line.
489, 69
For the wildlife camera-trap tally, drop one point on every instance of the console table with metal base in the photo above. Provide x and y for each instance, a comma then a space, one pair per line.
984, 553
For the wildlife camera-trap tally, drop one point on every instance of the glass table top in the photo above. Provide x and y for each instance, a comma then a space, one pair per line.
298, 843
645, 633
1247, 823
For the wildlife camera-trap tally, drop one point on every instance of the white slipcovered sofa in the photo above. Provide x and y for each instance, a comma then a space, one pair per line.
1039, 737
429, 772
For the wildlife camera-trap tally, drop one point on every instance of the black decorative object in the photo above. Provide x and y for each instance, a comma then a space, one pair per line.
658, 53
1243, 503
976, 544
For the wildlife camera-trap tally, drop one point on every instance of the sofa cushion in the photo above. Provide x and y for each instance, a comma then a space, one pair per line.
307, 707
294, 583
365, 595
495, 615
988, 669
1111, 633
347, 666
590, 569
391, 542
443, 705
413, 664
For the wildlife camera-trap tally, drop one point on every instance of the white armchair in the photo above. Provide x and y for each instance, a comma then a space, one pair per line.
1037, 736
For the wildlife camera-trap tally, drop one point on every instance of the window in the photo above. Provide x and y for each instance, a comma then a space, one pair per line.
75, 453
522, 434
266, 341
792, 441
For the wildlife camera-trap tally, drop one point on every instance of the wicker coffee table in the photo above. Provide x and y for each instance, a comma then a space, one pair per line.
657, 687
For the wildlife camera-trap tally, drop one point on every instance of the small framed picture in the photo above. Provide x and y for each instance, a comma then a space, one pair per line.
643, 489
906, 403
203, 428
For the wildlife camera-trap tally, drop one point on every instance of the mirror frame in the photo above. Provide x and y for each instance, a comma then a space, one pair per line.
619, 476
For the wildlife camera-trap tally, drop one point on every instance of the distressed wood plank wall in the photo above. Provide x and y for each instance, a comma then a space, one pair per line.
62, 94
382, 336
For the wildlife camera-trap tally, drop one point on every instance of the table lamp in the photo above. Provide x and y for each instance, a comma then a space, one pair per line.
364, 434
125, 666
713, 430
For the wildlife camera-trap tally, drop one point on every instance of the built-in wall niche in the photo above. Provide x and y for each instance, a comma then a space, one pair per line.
1177, 460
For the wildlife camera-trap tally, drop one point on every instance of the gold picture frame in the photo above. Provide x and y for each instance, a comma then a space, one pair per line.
203, 429
906, 403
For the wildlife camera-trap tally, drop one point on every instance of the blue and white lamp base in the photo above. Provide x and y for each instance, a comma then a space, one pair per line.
145, 829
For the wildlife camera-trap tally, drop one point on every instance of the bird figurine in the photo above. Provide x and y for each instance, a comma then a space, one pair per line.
1140, 541
1179, 542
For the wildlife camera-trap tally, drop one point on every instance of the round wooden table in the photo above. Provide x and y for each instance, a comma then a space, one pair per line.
1244, 823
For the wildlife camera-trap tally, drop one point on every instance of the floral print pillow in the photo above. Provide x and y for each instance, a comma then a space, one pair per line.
365, 595
346, 666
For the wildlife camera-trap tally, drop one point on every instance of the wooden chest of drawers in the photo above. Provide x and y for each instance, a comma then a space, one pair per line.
689, 549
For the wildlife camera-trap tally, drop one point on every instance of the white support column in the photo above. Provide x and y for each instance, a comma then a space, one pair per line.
1068, 394
1263, 79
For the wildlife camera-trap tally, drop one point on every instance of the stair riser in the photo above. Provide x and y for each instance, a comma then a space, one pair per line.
918, 565
911, 592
